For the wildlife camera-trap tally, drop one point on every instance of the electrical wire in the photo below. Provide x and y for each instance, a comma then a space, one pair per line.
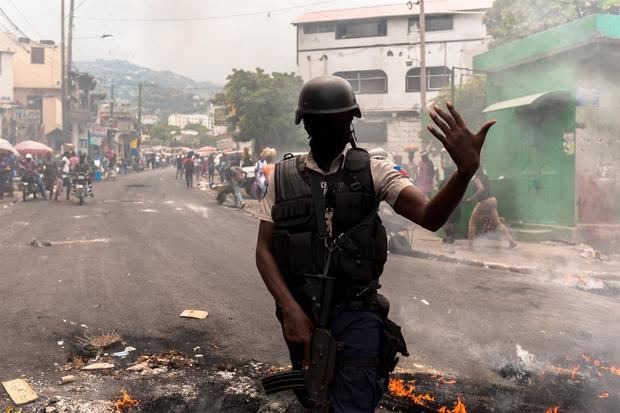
188, 19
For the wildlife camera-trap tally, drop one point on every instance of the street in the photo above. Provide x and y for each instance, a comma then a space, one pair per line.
146, 248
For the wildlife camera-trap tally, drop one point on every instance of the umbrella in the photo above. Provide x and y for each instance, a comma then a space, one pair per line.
6, 147
33, 147
207, 149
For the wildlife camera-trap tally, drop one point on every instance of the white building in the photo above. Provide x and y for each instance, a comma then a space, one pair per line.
377, 50
181, 120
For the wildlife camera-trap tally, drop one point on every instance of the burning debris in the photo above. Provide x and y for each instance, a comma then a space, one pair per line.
125, 402
407, 390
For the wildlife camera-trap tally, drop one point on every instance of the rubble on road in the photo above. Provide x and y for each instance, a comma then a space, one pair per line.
98, 366
20, 391
197, 314
102, 341
172, 359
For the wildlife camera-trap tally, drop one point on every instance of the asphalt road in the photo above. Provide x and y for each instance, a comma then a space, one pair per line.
146, 248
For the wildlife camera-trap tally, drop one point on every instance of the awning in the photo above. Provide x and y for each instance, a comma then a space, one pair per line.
557, 97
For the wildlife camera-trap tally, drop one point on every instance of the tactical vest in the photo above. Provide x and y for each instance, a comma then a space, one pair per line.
298, 248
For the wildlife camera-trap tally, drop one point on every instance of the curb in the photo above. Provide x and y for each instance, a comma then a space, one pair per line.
473, 263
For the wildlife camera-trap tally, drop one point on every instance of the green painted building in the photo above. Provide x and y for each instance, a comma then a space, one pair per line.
556, 145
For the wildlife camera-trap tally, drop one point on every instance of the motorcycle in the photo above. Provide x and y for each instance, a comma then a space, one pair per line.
80, 187
29, 187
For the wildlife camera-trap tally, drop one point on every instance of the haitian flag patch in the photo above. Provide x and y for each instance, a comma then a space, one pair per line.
400, 169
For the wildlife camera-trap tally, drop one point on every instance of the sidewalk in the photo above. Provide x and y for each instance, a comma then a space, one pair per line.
552, 258
528, 258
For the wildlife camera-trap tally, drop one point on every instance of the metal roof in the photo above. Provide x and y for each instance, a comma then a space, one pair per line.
431, 7
536, 100
577, 33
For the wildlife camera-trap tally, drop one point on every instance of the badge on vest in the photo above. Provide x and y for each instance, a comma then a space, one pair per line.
400, 170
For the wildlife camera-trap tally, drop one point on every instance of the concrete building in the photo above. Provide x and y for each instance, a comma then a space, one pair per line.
377, 50
6, 93
555, 97
181, 120
37, 94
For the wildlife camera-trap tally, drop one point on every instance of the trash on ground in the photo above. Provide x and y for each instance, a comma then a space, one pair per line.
103, 340
61, 343
172, 359
139, 367
125, 402
98, 366
425, 302
67, 379
20, 391
124, 353
198, 314
39, 244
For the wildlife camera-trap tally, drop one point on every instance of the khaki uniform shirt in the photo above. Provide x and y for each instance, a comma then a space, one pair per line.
388, 178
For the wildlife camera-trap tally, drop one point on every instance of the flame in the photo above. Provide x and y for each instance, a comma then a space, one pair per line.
398, 388
574, 373
554, 409
459, 407
125, 402
446, 381
603, 395
615, 370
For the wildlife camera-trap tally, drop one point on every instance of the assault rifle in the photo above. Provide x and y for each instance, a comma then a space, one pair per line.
316, 378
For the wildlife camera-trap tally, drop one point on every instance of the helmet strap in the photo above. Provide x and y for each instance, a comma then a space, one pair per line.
353, 139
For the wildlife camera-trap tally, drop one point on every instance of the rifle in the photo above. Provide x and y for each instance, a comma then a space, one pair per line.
317, 376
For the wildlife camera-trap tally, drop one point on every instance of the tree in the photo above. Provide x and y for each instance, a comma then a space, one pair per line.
163, 134
469, 100
509, 20
261, 108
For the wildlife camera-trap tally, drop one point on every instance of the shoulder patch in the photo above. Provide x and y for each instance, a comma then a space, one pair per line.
400, 170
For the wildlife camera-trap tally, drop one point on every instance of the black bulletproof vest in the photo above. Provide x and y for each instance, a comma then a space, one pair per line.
297, 247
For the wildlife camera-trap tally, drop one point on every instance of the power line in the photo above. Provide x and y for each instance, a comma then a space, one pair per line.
120, 32
188, 19
26, 20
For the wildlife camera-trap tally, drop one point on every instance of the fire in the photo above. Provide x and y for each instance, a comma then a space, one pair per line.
459, 407
615, 370
398, 388
603, 395
125, 402
554, 409
446, 381
574, 373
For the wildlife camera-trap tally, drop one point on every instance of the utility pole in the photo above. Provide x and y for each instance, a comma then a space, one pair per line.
422, 59
63, 70
140, 110
111, 103
68, 83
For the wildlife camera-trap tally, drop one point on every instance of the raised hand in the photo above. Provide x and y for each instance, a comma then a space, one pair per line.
463, 146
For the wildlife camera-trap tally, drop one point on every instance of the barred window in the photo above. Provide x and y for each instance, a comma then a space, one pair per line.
361, 28
437, 77
366, 81
433, 23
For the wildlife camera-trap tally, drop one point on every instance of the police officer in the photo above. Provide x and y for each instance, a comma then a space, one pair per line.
343, 188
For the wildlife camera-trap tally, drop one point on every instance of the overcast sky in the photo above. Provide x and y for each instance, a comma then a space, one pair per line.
203, 50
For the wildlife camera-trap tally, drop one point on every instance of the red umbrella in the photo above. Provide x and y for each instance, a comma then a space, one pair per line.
33, 147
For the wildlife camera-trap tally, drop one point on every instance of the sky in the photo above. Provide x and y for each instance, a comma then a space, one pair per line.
201, 49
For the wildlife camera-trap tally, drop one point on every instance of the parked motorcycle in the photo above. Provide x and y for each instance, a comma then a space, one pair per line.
80, 187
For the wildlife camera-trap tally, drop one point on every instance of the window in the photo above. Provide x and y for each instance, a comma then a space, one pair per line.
361, 28
437, 78
318, 28
434, 23
37, 55
366, 81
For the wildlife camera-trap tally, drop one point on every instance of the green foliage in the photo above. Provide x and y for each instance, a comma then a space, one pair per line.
509, 20
162, 134
469, 100
261, 108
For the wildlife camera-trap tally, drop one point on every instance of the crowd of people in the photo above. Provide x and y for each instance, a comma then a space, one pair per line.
231, 169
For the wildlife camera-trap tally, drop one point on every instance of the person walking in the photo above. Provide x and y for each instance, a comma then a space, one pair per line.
320, 220
188, 168
211, 168
426, 175
179, 165
485, 211
50, 175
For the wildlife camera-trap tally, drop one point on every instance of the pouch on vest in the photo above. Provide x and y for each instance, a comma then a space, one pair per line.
293, 213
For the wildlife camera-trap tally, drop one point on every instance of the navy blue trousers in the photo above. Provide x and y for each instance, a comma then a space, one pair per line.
354, 389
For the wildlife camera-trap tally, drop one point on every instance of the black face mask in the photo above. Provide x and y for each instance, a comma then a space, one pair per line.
328, 138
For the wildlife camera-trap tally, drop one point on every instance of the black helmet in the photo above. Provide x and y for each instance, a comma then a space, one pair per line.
324, 95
